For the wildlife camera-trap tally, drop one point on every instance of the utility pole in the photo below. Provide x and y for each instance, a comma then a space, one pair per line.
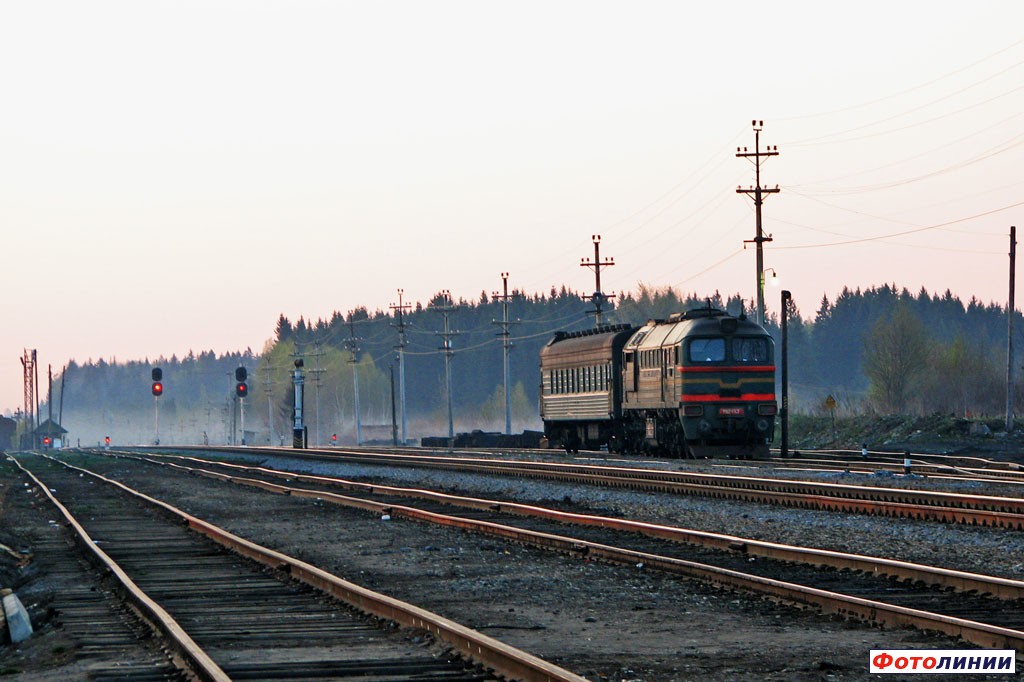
230, 413
399, 311
352, 344
1009, 331
394, 424
598, 298
35, 364
445, 309
60, 411
506, 346
757, 192
268, 385
49, 393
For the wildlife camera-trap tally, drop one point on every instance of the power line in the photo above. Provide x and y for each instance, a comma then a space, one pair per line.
901, 234
902, 92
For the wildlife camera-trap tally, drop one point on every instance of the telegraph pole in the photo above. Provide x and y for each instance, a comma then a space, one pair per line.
352, 344
399, 311
268, 384
445, 309
1009, 331
506, 345
757, 192
598, 298
394, 425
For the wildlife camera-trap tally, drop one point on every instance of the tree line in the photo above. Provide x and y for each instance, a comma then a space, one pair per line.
883, 349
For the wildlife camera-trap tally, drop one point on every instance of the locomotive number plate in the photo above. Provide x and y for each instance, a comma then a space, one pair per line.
730, 411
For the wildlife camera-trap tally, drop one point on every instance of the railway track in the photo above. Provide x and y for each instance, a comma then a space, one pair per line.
941, 467
986, 610
946, 507
226, 617
110, 639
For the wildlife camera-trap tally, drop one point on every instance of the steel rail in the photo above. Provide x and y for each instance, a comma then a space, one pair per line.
961, 581
942, 472
982, 634
979, 510
187, 653
475, 646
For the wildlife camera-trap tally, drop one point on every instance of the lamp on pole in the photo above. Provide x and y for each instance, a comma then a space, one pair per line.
784, 410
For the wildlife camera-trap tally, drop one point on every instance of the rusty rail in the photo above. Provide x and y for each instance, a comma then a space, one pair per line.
981, 510
475, 646
863, 609
1003, 588
186, 651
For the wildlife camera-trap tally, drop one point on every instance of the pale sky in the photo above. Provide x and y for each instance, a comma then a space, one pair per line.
175, 175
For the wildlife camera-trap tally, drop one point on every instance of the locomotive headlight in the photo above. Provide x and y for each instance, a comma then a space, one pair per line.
768, 409
693, 410
762, 424
705, 426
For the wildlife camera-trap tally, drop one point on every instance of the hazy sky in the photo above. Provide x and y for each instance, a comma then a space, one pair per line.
175, 175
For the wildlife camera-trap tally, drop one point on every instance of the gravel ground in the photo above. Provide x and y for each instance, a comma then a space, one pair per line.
601, 621
981, 550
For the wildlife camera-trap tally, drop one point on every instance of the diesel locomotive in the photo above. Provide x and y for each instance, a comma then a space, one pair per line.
699, 384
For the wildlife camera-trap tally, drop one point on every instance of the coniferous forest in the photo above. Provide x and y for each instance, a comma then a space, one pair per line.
883, 350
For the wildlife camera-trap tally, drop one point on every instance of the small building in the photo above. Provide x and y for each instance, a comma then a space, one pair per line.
49, 434
8, 427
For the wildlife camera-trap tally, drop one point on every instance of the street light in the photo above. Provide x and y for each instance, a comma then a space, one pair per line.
784, 412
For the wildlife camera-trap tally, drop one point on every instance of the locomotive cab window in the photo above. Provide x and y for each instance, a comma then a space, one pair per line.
706, 350
750, 350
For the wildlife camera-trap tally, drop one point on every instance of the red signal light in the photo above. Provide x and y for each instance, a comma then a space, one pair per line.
241, 389
46, 440
334, 438
158, 388
107, 440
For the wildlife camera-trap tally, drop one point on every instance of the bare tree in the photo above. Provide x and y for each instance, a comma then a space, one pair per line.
896, 355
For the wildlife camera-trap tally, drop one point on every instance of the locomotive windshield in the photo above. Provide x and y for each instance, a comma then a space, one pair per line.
707, 350
750, 349
741, 349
